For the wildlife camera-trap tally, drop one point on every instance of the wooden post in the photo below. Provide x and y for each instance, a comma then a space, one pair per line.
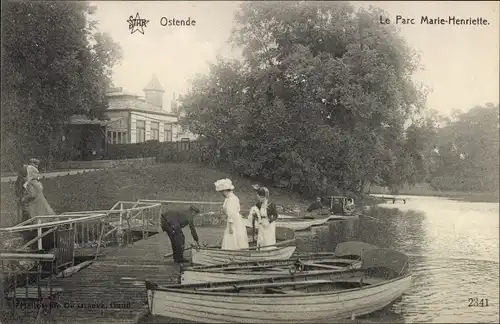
120, 228
2, 289
40, 246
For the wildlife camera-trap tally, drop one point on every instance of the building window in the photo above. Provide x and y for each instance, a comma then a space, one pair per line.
140, 126
168, 133
155, 131
117, 137
123, 124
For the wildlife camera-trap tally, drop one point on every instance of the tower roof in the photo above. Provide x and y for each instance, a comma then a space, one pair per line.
154, 85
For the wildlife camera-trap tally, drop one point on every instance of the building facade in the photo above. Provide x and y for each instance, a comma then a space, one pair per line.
140, 119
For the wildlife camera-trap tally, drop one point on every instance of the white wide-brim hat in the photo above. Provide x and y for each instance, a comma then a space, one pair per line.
223, 184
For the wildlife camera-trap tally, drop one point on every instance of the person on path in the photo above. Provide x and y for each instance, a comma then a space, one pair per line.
172, 222
34, 162
235, 235
20, 192
36, 205
264, 213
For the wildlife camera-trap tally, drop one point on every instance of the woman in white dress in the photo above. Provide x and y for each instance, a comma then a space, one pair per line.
235, 235
264, 214
36, 205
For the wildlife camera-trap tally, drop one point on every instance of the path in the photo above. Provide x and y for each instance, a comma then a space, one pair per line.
117, 278
52, 174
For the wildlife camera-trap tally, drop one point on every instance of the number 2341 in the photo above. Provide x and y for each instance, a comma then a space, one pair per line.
476, 302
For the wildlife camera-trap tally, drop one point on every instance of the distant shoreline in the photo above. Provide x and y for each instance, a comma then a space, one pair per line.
455, 195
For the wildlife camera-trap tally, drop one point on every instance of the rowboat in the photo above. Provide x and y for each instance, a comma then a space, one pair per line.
320, 297
317, 220
213, 256
347, 255
294, 224
314, 221
341, 217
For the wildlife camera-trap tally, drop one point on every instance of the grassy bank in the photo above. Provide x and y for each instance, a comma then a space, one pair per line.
175, 181
424, 189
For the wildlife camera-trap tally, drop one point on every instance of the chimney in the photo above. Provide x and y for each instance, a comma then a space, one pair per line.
173, 104
153, 92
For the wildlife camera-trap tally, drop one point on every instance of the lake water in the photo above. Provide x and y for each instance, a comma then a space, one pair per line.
454, 255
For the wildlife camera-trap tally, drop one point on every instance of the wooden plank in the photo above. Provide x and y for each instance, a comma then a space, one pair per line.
324, 266
268, 285
26, 256
118, 277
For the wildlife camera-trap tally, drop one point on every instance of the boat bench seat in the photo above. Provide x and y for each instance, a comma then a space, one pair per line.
280, 291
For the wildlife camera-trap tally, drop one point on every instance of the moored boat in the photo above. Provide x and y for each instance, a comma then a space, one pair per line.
214, 256
318, 221
295, 224
347, 255
320, 297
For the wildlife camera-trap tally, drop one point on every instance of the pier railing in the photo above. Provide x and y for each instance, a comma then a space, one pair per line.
52, 232
124, 218
64, 234
26, 285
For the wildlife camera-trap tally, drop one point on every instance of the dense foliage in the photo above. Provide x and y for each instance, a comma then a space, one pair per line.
466, 151
54, 64
319, 103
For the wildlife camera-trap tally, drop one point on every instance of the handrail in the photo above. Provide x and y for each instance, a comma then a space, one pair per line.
15, 229
86, 212
181, 202
110, 211
26, 256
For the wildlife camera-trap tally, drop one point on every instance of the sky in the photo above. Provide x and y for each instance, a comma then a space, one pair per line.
460, 63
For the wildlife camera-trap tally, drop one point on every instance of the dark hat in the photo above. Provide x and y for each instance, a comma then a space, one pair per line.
194, 209
261, 191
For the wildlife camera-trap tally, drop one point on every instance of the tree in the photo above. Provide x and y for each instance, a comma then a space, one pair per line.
54, 65
469, 146
324, 92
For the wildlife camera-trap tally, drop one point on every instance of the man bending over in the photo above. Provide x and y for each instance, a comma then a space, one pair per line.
173, 222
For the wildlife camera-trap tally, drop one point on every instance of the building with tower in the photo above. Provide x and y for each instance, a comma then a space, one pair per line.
132, 119
140, 119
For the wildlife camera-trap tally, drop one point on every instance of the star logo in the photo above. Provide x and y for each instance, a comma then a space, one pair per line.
137, 24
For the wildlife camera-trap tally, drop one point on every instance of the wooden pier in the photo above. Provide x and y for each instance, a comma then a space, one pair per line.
394, 199
111, 289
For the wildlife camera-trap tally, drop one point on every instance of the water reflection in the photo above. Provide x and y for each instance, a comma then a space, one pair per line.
453, 248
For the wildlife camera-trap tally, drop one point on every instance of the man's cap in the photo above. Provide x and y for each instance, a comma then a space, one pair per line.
194, 209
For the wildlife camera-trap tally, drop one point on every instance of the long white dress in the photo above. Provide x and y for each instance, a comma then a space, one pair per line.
266, 232
239, 239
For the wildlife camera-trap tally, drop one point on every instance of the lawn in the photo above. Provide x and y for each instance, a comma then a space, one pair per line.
173, 181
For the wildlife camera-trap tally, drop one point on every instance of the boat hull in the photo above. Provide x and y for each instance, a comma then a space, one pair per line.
217, 307
275, 268
295, 225
206, 256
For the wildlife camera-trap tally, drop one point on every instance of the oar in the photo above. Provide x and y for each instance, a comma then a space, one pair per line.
189, 248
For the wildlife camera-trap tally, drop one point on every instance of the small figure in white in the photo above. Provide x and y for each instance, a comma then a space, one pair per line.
264, 214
